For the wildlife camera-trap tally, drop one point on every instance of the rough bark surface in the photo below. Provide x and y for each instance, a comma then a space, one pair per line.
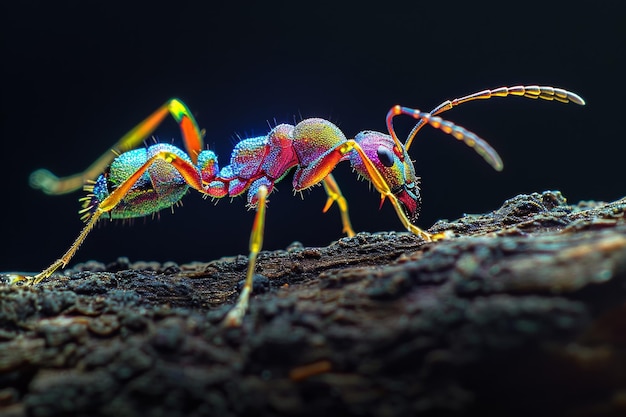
523, 312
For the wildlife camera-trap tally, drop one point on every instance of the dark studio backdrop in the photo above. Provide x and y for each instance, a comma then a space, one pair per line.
78, 75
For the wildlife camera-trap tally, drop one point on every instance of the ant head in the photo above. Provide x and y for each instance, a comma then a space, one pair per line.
395, 167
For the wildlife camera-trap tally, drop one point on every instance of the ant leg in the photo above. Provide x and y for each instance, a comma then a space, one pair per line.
319, 169
62, 262
235, 316
51, 184
186, 170
334, 194
529, 91
385, 192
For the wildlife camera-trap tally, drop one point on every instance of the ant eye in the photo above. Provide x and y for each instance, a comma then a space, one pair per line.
385, 156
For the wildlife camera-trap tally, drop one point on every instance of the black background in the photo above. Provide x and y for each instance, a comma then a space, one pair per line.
78, 75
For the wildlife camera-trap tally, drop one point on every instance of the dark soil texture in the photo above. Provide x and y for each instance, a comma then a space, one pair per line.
521, 312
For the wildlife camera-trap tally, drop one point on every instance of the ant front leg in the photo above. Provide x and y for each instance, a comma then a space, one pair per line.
235, 316
320, 169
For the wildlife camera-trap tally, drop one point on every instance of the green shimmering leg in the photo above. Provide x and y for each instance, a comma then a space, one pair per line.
51, 184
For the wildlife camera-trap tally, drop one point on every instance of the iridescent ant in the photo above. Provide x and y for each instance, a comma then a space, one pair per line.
130, 182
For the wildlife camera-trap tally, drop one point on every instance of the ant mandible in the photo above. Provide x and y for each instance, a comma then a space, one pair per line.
129, 182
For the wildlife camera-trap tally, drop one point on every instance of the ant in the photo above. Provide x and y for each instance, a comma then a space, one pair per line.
130, 182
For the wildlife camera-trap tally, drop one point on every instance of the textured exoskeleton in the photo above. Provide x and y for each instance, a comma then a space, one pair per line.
135, 182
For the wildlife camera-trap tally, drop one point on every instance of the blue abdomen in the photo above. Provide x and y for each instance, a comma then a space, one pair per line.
160, 187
